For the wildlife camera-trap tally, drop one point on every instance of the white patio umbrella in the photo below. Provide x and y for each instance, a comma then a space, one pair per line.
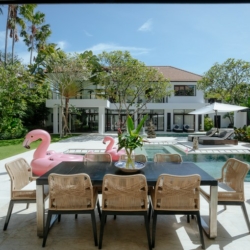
215, 108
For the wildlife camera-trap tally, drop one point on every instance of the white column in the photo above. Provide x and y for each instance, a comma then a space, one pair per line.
60, 120
196, 123
202, 122
135, 119
101, 117
55, 120
172, 120
165, 120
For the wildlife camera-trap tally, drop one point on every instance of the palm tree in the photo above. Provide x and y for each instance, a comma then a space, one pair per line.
12, 22
37, 34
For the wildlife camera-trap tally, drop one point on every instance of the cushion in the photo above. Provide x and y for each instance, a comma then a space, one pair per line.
222, 134
176, 126
186, 127
209, 132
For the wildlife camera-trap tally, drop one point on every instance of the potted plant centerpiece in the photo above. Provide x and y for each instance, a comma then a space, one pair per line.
131, 140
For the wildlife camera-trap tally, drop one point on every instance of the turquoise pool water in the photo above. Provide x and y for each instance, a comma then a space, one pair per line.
211, 163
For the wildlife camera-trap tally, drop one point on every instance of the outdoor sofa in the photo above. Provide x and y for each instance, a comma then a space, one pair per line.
186, 128
224, 137
177, 129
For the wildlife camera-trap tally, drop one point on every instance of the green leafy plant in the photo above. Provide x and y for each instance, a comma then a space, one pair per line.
131, 140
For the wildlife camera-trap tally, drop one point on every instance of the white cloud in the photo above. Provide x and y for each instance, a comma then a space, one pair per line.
147, 26
62, 45
99, 48
87, 33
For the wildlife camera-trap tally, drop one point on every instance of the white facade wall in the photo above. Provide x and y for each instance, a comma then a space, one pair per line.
173, 103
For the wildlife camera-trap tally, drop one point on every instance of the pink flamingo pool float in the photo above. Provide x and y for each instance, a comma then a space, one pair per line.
111, 149
44, 160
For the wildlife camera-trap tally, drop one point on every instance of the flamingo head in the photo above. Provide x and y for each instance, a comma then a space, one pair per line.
34, 135
107, 138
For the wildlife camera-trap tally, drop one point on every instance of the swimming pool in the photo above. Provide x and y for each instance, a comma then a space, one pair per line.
211, 163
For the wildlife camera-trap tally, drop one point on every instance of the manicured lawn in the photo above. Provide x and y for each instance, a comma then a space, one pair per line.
9, 148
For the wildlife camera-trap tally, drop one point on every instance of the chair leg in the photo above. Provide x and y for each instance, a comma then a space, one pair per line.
59, 218
149, 212
46, 230
76, 215
99, 209
27, 206
11, 205
188, 218
94, 227
147, 229
243, 207
103, 220
154, 228
200, 230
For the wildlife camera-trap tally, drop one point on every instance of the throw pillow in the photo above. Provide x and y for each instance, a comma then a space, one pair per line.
176, 126
186, 127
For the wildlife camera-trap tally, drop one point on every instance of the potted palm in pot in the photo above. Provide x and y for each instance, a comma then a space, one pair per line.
131, 140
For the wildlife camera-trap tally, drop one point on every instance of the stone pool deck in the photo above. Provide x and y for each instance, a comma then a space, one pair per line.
173, 232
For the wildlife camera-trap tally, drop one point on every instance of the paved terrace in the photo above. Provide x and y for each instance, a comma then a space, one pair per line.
173, 232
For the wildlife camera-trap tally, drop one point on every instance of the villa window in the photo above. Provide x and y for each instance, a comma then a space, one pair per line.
185, 90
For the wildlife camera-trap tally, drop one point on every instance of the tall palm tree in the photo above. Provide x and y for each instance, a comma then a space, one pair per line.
13, 20
37, 34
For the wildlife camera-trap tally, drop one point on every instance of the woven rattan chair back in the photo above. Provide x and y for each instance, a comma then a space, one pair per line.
124, 193
138, 158
177, 193
70, 192
20, 174
104, 157
176, 158
23, 188
233, 174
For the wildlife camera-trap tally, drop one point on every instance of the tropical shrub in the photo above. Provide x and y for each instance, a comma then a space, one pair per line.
11, 128
208, 123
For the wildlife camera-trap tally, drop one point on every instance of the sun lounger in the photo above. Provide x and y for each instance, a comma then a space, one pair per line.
223, 138
209, 133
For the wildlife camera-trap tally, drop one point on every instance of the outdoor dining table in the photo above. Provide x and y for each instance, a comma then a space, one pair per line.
152, 170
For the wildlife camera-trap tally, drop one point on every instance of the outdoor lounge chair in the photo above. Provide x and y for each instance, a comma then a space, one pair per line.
23, 185
209, 133
177, 129
231, 186
186, 128
223, 138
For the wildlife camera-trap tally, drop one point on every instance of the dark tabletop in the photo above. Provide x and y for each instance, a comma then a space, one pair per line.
152, 170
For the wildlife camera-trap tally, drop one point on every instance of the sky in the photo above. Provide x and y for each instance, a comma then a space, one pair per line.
191, 37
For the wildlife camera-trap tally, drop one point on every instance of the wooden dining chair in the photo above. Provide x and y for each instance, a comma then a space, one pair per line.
22, 185
176, 195
176, 158
124, 195
231, 186
93, 157
138, 158
71, 194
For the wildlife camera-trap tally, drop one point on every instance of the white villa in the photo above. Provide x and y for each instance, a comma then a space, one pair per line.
99, 115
